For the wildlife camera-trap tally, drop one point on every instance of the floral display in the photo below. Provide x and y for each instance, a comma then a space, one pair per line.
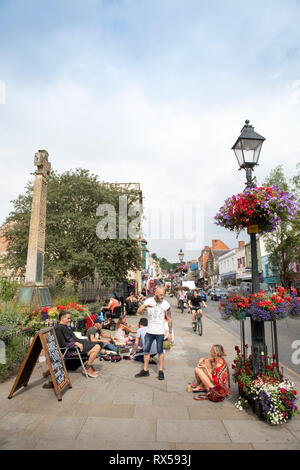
261, 306
181, 268
265, 207
276, 396
38, 318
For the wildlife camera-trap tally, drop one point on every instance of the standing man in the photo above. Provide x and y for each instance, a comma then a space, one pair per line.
158, 312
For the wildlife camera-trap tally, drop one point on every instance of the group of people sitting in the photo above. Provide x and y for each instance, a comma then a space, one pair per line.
98, 344
209, 373
132, 303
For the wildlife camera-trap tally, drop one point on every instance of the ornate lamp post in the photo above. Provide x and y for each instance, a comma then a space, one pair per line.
247, 151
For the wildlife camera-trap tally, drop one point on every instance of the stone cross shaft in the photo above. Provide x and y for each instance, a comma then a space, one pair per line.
37, 230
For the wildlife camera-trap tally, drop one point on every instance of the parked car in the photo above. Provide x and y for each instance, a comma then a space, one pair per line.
233, 290
203, 295
219, 293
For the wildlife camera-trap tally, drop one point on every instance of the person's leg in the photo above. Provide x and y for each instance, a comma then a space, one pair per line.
203, 378
111, 347
160, 352
92, 354
147, 346
193, 316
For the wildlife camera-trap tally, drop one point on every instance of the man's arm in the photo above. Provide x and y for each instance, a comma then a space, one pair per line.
142, 308
169, 320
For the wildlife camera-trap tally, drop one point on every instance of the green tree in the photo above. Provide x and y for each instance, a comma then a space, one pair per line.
72, 247
164, 263
283, 244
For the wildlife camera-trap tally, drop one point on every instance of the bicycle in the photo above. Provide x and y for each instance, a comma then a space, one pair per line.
181, 305
198, 325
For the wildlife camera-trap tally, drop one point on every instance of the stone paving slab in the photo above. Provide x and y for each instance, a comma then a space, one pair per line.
206, 430
257, 432
121, 429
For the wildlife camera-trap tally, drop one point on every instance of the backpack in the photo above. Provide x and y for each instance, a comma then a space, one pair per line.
215, 394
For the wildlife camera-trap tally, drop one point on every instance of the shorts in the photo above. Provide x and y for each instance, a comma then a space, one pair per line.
149, 338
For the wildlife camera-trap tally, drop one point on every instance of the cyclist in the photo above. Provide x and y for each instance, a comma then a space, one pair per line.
181, 299
196, 304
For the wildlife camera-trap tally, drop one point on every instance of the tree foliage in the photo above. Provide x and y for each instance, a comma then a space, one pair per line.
164, 263
72, 247
283, 244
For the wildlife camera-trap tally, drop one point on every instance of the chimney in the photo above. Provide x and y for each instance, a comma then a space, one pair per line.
214, 244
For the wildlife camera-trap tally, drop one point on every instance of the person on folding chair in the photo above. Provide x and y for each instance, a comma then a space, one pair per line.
112, 304
65, 336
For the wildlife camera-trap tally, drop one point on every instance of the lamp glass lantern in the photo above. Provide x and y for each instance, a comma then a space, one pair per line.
248, 146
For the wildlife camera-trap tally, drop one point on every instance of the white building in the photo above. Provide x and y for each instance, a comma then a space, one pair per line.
232, 264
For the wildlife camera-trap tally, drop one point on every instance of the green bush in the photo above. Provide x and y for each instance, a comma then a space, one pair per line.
8, 289
11, 319
16, 348
64, 299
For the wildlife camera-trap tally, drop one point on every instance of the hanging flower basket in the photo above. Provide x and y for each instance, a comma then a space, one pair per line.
181, 268
260, 307
262, 207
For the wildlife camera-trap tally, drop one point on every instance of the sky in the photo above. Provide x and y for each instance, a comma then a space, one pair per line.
150, 91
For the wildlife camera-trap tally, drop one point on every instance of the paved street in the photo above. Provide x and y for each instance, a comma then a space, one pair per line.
119, 411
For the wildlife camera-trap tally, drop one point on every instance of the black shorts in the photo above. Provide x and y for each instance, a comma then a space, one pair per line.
87, 345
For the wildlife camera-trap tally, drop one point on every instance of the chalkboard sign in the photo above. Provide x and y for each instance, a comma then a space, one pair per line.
44, 339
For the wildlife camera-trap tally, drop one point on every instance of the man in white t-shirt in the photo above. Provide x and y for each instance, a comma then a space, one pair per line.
158, 310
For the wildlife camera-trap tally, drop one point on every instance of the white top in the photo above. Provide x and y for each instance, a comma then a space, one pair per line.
120, 335
156, 315
141, 333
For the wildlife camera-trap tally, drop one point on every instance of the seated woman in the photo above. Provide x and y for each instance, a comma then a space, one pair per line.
121, 332
112, 304
131, 304
211, 371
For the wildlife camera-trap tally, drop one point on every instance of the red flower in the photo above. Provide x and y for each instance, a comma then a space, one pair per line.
283, 390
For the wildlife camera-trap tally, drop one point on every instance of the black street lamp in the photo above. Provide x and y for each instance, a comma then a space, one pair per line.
181, 256
247, 151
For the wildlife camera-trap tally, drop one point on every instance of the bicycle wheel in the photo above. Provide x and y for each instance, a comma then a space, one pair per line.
199, 325
194, 326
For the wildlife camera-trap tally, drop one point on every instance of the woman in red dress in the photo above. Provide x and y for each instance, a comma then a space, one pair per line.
211, 371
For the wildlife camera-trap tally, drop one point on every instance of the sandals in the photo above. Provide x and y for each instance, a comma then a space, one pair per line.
200, 397
198, 390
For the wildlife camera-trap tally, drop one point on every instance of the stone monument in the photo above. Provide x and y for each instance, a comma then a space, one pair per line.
34, 292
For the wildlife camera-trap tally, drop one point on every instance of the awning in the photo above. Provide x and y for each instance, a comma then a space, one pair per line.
231, 275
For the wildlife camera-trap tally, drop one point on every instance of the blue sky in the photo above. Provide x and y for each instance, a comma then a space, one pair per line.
152, 91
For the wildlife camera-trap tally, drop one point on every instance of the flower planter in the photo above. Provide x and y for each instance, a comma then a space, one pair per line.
253, 404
